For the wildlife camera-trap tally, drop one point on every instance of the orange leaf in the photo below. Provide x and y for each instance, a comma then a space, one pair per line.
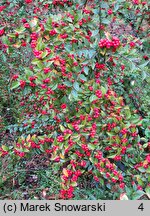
57, 62
47, 37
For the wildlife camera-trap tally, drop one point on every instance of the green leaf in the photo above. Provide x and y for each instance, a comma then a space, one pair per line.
104, 5
74, 94
15, 84
62, 128
86, 70
67, 136
28, 72
138, 194
74, 184
54, 87
147, 189
112, 156
5, 40
76, 86
95, 32
44, 54
147, 132
82, 77
20, 30
91, 53
143, 65
35, 61
11, 35
116, 7
127, 112
39, 45
104, 90
92, 98
144, 75
105, 21
68, 47
148, 170
67, 83
5, 148
91, 146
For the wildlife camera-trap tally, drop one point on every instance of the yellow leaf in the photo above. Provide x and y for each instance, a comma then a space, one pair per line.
108, 35
103, 52
61, 156
55, 71
28, 138
34, 136
17, 45
65, 172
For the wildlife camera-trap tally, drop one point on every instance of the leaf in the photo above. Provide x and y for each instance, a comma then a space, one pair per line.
62, 128
44, 54
143, 65
15, 84
144, 75
105, 21
147, 189
76, 86
91, 146
95, 32
35, 61
127, 112
92, 98
65, 172
74, 184
82, 77
104, 90
62, 156
68, 47
39, 44
33, 22
86, 70
17, 45
54, 87
11, 35
91, 53
136, 195
57, 62
104, 5
147, 132
5, 40
116, 7
112, 156
74, 94
123, 196
67, 83
20, 30
28, 72
5, 148
28, 138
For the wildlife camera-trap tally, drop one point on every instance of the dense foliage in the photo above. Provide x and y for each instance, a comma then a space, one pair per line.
75, 92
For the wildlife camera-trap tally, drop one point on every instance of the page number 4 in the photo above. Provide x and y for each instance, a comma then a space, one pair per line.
141, 207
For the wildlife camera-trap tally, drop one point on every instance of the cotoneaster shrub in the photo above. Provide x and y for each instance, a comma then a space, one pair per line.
69, 108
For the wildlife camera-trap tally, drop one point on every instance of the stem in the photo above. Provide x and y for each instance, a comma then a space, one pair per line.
100, 20
85, 3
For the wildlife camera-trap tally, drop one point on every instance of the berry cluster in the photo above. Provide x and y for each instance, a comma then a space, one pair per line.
106, 43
